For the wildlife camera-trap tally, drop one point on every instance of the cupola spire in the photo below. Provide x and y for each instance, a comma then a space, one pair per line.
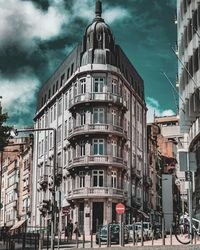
98, 10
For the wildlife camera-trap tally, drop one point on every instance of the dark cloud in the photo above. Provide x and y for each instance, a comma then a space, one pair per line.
143, 28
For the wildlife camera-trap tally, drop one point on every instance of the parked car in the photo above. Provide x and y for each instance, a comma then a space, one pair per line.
102, 233
138, 232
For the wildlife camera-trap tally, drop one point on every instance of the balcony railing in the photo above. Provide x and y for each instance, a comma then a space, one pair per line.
90, 97
96, 192
137, 173
43, 181
97, 128
97, 159
136, 201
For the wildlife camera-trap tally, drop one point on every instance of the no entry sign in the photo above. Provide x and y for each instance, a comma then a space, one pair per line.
120, 208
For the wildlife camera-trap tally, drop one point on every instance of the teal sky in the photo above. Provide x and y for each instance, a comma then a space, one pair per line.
37, 35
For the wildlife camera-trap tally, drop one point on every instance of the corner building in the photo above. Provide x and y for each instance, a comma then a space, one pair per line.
95, 100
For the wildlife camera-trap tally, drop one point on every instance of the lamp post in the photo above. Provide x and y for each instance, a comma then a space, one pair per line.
53, 201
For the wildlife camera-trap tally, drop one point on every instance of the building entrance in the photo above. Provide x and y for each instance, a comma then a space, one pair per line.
97, 215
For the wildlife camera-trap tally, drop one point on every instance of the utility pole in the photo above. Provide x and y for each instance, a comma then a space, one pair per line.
189, 194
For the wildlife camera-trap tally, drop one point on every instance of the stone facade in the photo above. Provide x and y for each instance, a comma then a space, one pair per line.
95, 101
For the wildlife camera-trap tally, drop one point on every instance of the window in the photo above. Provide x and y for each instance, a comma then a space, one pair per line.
114, 86
68, 71
97, 176
54, 112
46, 144
75, 89
51, 114
114, 179
114, 148
114, 117
66, 100
59, 134
98, 146
65, 157
62, 80
82, 117
98, 115
65, 131
70, 94
83, 85
72, 68
60, 107
82, 147
98, 85
81, 179
70, 123
51, 140
56, 85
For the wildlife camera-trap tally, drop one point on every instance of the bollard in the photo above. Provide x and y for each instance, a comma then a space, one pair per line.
163, 231
195, 238
133, 235
91, 239
142, 233
109, 236
76, 240
152, 238
108, 229
99, 240
83, 239
170, 235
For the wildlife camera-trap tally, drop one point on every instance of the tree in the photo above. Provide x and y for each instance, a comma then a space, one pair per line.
4, 130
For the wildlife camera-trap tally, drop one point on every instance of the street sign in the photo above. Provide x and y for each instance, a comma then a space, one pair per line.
65, 210
120, 208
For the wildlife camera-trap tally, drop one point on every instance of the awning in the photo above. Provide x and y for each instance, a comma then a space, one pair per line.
18, 224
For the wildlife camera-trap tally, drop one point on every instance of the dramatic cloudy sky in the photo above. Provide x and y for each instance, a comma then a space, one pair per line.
36, 35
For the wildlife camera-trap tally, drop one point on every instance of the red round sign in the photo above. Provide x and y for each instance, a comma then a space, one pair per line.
120, 208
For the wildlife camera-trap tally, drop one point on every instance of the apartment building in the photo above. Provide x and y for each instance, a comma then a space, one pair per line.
15, 182
188, 24
95, 101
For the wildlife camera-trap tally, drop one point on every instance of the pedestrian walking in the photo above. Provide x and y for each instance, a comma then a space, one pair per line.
76, 230
69, 230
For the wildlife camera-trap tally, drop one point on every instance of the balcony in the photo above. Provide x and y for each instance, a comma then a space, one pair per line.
97, 97
97, 129
15, 204
43, 181
96, 192
137, 202
136, 173
102, 160
147, 181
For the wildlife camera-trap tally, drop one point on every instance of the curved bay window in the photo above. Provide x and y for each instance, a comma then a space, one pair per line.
97, 178
98, 85
98, 115
98, 147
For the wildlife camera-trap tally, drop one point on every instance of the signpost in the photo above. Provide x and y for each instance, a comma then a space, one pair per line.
120, 209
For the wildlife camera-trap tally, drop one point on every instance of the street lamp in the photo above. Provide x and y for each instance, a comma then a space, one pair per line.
53, 221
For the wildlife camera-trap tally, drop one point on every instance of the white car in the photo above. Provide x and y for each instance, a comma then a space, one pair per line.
138, 232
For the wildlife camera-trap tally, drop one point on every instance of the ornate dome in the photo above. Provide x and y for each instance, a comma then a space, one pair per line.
98, 41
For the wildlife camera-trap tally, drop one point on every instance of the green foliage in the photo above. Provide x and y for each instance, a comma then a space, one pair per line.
4, 131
